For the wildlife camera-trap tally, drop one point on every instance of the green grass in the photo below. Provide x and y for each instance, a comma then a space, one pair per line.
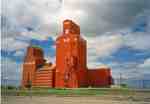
65, 92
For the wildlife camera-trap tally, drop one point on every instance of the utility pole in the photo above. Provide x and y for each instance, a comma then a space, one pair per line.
120, 79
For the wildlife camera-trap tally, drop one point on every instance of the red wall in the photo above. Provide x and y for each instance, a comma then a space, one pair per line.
99, 77
45, 77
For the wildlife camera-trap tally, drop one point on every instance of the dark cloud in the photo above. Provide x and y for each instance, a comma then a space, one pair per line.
95, 17
111, 15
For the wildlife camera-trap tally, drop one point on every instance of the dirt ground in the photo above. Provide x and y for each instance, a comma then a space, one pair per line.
142, 98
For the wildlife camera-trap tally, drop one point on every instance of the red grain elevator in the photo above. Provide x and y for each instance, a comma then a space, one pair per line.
71, 63
70, 70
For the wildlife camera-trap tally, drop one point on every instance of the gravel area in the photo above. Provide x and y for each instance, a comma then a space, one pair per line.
140, 98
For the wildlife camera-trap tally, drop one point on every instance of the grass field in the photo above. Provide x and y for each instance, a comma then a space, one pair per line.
77, 92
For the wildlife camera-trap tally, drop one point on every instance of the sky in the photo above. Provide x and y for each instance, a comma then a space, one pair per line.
117, 33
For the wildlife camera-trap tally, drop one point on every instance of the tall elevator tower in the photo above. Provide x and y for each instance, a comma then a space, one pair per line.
71, 58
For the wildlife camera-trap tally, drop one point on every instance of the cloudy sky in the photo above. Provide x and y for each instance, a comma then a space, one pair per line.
117, 33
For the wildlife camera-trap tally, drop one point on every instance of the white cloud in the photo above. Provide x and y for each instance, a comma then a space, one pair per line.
146, 63
137, 40
140, 38
34, 35
41, 16
143, 68
104, 45
101, 47
10, 44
